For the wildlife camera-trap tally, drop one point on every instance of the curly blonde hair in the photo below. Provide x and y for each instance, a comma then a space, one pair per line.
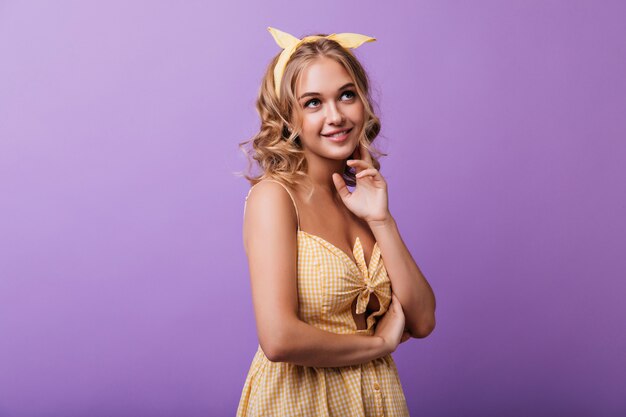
276, 147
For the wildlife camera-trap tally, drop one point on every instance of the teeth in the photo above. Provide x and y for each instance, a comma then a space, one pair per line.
336, 135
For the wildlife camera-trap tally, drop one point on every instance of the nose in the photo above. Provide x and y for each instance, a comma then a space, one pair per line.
334, 114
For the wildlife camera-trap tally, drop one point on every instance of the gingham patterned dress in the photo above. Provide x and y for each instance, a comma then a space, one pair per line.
328, 282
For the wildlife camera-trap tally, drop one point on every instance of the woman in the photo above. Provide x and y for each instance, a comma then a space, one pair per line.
326, 315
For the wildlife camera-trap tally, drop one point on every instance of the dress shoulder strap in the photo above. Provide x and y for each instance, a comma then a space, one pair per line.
295, 206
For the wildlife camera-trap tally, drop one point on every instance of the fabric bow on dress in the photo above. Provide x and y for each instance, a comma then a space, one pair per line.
373, 282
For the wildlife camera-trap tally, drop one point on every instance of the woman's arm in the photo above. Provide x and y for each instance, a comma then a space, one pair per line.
306, 345
271, 246
369, 201
309, 346
408, 282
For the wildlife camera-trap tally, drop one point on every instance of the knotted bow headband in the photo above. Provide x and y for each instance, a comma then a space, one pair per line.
290, 43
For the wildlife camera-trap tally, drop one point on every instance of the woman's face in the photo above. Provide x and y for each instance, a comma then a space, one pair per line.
328, 103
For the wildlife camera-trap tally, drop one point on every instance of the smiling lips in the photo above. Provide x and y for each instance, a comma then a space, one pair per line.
338, 135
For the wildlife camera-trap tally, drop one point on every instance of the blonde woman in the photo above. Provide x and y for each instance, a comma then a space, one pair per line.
329, 312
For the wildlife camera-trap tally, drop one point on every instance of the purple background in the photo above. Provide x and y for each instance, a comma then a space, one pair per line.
124, 288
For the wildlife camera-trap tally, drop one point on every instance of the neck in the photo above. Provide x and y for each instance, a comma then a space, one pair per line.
320, 171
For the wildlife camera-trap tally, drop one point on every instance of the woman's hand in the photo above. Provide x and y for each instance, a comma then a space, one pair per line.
369, 199
391, 326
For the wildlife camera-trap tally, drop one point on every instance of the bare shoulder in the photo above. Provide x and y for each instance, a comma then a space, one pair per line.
269, 212
270, 240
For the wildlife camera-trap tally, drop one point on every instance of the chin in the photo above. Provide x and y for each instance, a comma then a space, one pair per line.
340, 155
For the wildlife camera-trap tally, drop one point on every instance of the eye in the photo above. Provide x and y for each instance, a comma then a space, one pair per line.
310, 101
350, 93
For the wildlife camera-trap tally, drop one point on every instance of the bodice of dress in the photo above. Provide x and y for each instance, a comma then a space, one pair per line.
329, 281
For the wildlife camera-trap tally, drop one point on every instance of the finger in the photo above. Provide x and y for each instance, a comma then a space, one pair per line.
365, 154
341, 186
392, 302
396, 301
370, 171
360, 163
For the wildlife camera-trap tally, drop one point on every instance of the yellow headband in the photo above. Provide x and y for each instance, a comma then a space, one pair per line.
290, 43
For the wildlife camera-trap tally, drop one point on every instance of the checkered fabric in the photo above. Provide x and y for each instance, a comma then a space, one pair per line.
328, 282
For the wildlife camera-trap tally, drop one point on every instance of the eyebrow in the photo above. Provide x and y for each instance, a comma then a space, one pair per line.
317, 94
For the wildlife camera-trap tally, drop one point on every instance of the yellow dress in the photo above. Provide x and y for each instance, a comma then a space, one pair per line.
328, 282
